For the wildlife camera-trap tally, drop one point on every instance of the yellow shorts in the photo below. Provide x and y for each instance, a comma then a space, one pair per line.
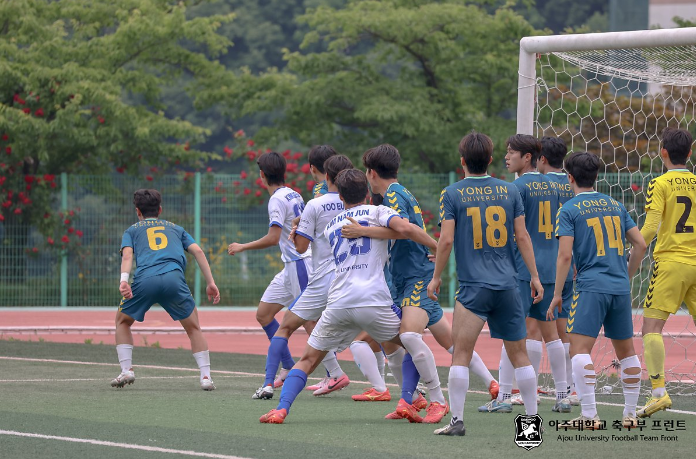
672, 284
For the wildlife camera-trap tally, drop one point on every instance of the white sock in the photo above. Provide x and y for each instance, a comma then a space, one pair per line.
396, 361
125, 356
424, 360
569, 369
380, 362
365, 359
585, 382
203, 361
331, 364
631, 390
479, 369
556, 354
506, 372
458, 385
535, 349
527, 381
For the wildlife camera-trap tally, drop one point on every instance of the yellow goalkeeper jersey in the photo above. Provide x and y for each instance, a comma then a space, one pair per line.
672, 196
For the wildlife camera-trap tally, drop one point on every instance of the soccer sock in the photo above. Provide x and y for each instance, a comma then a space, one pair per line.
395, 361
654, 356
365, 360
271, 328
203, 361
380, 362
506, 372
294, 383
411, 377
275, 351
479, 369
125, 356
331, 364
585, 381
534, 351
557, 361
527, 382
569, 368
424, 360
458, 385
631, 384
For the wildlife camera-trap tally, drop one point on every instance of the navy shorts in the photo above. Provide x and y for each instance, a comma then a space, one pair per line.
415, 294
567, 300
502, 309
535, 311
168, 289
590, 310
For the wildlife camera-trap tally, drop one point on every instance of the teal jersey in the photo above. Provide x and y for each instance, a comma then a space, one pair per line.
565, 194
540, 201
484, 210
158, 247
408, 260
598, 225
320, 189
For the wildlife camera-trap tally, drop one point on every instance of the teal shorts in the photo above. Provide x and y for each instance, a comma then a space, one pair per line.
168, 289
415, 294
501, 309
567, 300
535, 311
590, 311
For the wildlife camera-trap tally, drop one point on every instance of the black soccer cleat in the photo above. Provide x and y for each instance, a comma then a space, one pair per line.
453, 430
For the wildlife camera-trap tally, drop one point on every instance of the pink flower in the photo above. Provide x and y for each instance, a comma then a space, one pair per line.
39, 112
66, 221
239, 134
148, 178
310, 185
250, 143
258, 193
5, 137
120, 170
228, 151
79, 233
18, 211
437, 234
635, 187
247, 191
8, 150
224, 199
297, 156
236, 183
251, 154
243, 175
65, 239
26, 110
305, 168
209, 170
71, 230
35, 250
49, 240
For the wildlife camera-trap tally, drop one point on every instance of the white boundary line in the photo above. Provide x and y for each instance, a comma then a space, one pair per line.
118, 445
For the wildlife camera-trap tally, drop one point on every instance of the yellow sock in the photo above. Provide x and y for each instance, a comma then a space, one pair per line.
654, 355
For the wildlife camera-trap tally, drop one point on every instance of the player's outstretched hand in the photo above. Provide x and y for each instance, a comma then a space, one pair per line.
213, 293
235, 248
556, 303
352, 231
434, 288
537, 290
125, 290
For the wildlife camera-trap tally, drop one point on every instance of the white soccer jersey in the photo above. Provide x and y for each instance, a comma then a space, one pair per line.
286, 204
359, 279
316, 215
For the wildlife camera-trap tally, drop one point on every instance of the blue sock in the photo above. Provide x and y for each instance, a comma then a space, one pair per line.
294, 383
271, 328
411, 377
286, 358
275, 351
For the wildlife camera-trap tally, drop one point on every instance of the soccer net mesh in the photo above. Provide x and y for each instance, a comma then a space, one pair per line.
615, 103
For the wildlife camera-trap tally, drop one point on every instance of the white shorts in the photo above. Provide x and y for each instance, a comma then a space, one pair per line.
289, 283
337, 328
312, 302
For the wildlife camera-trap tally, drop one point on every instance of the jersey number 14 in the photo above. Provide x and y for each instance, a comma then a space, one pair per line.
613, 230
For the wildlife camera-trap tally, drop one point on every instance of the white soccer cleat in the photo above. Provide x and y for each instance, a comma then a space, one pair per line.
207, 383
516, 399
574, 400
124, 379
263, 393
280, 379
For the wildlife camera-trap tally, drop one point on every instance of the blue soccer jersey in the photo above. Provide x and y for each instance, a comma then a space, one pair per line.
484, 210
540, 201
158, 247
320, 188
565, 194
598, 225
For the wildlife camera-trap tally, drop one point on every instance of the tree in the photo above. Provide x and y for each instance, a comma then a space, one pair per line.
415, 73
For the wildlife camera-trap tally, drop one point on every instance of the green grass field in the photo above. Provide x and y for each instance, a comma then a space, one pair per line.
166, 409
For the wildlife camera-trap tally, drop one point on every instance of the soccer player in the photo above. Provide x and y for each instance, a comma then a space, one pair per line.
283, 206
540, 202
593, 229
550, 163
158, 249
480, 215
359, 299
310, 304
317, 157
668, 204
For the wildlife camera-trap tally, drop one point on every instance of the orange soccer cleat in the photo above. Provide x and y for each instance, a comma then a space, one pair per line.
407, 411
419, 402
436, 412
372, 395
494, 389
274, 417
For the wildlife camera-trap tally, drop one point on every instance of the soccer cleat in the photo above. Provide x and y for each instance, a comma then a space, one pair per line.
274, 417
332, 385
652, 405
436, 411
562, 406
495, 406
630, 422
420, 402
453, 430
574, 400
372, 395
516, 399
407, 411
317, 385
393, 415
207, 383
581, 423
124, 379
280, 379
263, 393
493, 389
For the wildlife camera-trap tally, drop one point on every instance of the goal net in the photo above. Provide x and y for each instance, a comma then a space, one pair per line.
613, 94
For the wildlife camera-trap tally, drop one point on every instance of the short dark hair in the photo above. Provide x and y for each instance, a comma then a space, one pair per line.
148, 202
554, 149
584, 167
318, 156
376, 199
477, 150
383, 159
352, 186
525, 143
336, 164
677, 142
273, 166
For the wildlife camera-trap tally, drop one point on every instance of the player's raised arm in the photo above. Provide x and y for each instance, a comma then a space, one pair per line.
412, 232
126, 266
269, 240
524, 245
211, 289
